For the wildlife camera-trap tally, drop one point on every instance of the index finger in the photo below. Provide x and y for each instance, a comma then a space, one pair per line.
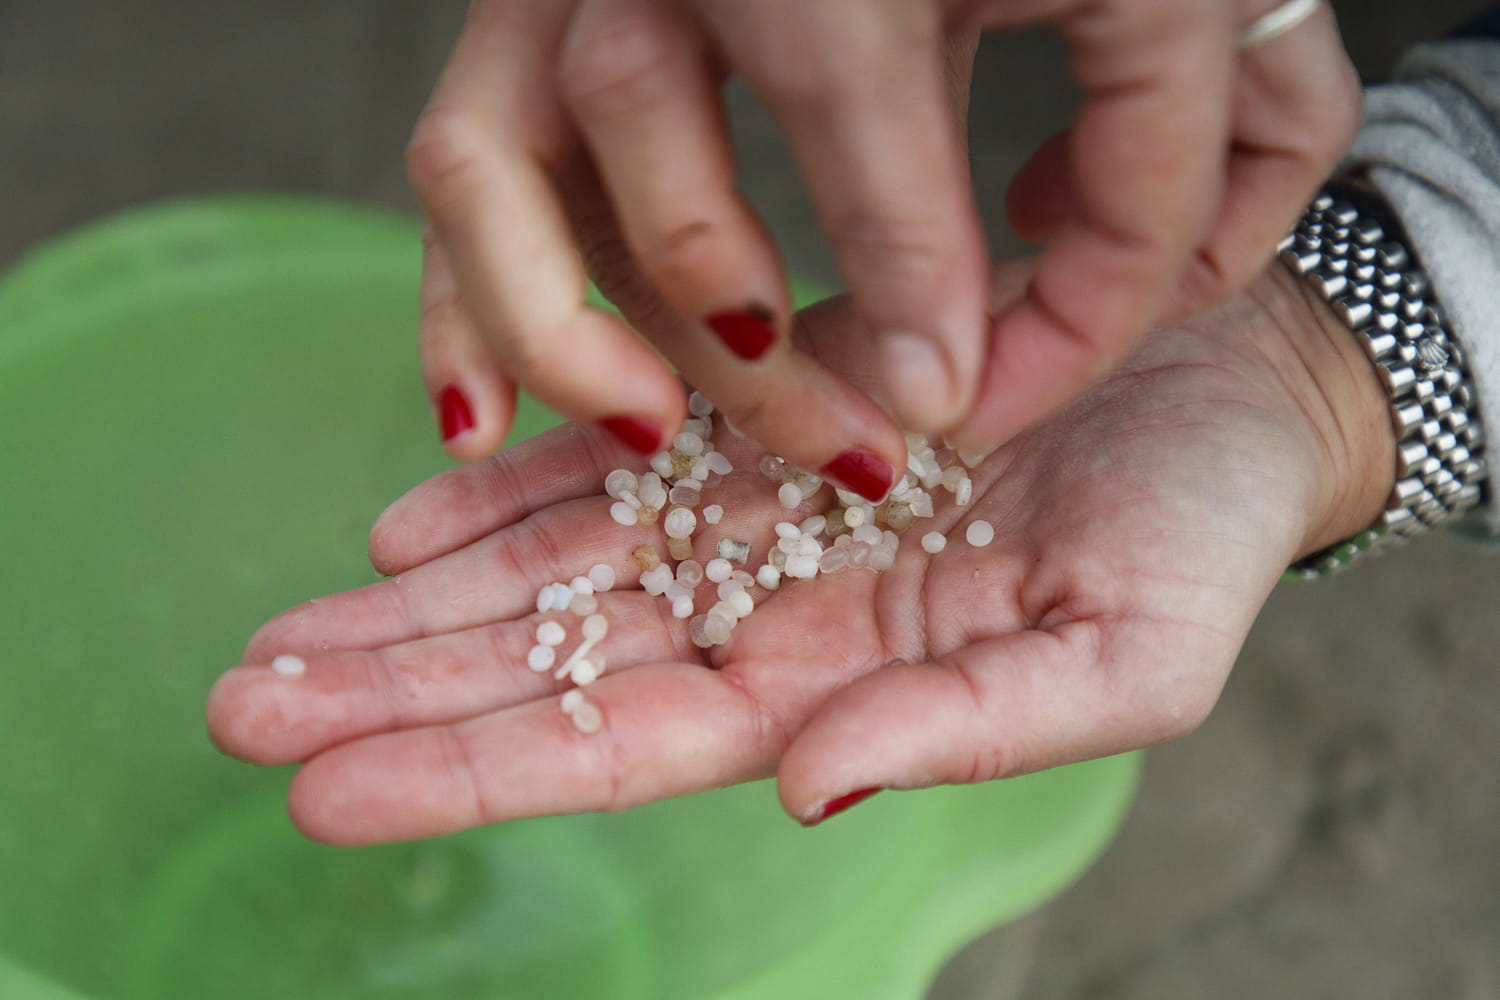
1148, 154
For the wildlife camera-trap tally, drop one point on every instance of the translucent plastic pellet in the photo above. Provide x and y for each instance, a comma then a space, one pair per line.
595, 627
848, 498
645, 557
585, 672
729, 587
833, 523
655, 581
688, 443
934, 542
921, 505
789, 545
718, 570
733, 550
587, 718
789, 496
834, 561
697, 633
768, 576
814, 525
661, 463
680, 522
808, 547
972, 458
854, 517
288, 665
583, 605
882, 559
550, 634
541, 658
898, 516
570, 701
952, 476
776, 559
620, 482
713, 513
979, 534
700, 469
680, 548
932, 474
682, 607
690, 573
622, 512
717, 629
719, 463
602, 576
965, 492
684, 496
675, 590
801, 567
808, 484
632, 501
582, 585
700, 426
743, 578
859, 555
867, 533
786, 529
646, 516
771, 467
741, 603
699, 404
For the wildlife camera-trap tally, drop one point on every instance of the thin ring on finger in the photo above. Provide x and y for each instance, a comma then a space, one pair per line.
1276, 22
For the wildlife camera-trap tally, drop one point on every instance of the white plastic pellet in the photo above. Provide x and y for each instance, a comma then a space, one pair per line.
786, 529
866, 533
581, 585
808, 484
979, 534
562, 596
587, 718
854, 516
622, 512
718, 570
688, 443
655, 581
964, 492
813, 525
801, 567
808, 547
583, 605
700, 469
544, 599
729, 587
921, 504
675, 589
682, 606
700, 426
602, 576
551, 634
719, 463
288, 665
713, 513
768, 576
771, 467
541, 658
699, 404
632, 501
697, 633
595, 627
661, 463
834, 560
740, 602
620, 482
680, 522
570, 701
882, 559
789, 495
585, 672
717, 628
934, 542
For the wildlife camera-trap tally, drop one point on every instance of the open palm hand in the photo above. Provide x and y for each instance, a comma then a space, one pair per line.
1136, 536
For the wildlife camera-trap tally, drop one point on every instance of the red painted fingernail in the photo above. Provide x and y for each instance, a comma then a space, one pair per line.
637, 433
454, 413
835, 806
747, 332
866, 474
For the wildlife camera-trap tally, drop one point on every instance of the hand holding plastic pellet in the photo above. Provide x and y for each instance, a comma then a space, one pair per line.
1128, 545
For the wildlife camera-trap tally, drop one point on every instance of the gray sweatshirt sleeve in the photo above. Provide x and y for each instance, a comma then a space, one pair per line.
1431, 143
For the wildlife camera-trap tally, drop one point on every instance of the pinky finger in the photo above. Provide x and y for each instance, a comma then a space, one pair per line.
473, 399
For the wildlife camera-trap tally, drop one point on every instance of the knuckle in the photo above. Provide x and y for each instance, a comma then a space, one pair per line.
612, 269
617, 67
679, 250
894, 251
446, 154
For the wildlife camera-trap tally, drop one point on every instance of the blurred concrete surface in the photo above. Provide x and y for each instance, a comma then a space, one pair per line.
1333, 831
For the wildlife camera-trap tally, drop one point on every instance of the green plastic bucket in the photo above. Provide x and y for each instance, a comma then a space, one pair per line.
203, 406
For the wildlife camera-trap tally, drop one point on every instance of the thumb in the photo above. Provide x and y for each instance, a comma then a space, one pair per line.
994, 709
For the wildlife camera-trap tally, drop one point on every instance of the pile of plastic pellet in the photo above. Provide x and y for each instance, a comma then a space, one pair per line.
852, 534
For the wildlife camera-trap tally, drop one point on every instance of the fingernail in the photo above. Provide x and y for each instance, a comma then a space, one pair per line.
637, 433
866, 474
747, 332
835, 806
919, 379
454, 414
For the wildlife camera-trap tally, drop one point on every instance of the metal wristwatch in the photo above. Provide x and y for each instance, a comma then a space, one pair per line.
1352, 249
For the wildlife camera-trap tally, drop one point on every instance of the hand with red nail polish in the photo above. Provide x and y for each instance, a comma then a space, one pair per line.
1135, 536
